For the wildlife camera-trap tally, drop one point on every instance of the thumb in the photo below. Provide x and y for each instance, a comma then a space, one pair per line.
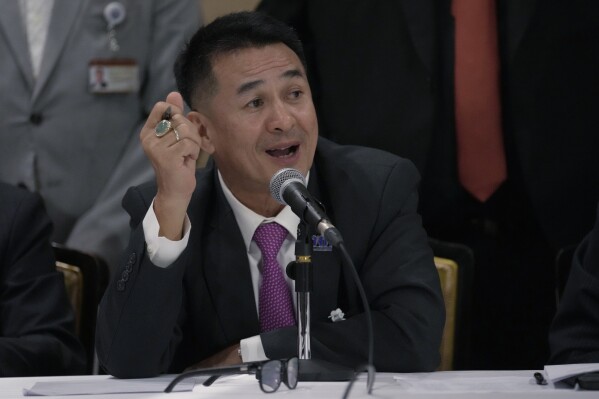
175, 99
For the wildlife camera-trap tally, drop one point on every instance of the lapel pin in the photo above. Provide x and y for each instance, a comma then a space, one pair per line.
320, 244
337, 315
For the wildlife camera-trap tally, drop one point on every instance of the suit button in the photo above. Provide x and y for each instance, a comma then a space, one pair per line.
36, 118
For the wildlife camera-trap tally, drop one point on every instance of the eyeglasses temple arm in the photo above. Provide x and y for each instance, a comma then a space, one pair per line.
213, 372
210, 380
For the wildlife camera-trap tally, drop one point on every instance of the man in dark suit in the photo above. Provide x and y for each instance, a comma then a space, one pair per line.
203, 301
391, 64
574, 335
37, 322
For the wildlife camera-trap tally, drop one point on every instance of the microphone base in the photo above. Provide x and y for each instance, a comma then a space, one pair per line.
321, 370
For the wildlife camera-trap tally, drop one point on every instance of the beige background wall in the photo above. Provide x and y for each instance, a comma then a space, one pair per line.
214, 8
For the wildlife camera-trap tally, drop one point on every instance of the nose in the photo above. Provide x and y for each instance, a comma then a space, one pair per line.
281, 118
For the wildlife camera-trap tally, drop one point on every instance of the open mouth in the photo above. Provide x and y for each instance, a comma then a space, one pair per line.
284, 152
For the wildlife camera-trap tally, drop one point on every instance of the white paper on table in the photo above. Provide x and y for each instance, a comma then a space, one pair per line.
469, 382
560, 372
106, 386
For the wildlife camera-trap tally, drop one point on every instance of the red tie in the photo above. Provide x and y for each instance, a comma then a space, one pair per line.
481, 158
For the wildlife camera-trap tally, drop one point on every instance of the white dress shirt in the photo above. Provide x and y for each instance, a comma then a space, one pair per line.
36, 18
163, 252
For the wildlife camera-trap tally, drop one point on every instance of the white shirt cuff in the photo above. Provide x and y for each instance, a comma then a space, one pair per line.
162, 251
252, 349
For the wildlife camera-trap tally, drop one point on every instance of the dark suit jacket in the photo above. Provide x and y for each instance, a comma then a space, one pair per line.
382, 61
36, 320
154, 320
574, 335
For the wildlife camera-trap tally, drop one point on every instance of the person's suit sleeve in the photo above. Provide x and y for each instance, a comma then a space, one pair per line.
402, 287
574, 334
140, 313
103, 228
36, 319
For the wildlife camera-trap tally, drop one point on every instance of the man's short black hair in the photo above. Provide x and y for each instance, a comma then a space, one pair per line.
242, 30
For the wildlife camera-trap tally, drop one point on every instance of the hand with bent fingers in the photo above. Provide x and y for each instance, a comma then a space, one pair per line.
173, 157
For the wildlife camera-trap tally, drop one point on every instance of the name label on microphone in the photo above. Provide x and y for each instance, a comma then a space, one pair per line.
320, 244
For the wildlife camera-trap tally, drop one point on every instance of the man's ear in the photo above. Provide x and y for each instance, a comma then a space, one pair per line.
202, 122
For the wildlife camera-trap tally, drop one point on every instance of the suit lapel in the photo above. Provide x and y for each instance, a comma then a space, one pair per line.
326, 266
227, 272
13, 29
420, 19
519, 14
62, 21
228, 276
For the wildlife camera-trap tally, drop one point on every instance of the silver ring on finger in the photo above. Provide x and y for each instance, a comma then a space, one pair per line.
176, 134
162, 128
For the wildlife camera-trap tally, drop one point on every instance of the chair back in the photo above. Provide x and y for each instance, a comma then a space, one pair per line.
86, 278
73, 281
448, 276
455, 264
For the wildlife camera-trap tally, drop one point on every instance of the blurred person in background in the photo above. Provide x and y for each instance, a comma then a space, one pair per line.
36, 319
68, 138
496, 103
574, 334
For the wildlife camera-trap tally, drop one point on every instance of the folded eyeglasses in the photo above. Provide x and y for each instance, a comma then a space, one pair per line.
269, 374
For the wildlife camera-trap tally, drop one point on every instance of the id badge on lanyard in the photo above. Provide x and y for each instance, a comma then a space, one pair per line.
113, 75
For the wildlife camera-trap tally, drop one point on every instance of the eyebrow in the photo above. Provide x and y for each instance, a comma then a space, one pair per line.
244, 88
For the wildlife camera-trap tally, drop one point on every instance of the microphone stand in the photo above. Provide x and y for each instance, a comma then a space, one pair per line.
300, 270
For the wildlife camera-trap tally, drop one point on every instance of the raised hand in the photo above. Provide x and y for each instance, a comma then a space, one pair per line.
172, 143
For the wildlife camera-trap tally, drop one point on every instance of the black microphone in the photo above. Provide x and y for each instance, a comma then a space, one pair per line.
288, 187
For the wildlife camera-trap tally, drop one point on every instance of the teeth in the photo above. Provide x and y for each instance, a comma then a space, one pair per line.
282, 152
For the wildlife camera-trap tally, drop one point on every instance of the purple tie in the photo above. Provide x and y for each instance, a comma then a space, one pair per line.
275, 304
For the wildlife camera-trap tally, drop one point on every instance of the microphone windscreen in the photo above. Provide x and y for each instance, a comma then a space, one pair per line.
281, 180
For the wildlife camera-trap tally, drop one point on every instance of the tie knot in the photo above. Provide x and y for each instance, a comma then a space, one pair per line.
269, 237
